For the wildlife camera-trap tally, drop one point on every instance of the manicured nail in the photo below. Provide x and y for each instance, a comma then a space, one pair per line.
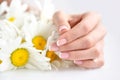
78, 62
61, 42
64, 55
53, 48
63, 27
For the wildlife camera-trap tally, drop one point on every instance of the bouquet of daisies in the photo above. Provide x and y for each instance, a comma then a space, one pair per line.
25, 36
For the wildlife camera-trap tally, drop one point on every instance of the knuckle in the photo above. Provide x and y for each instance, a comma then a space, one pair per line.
88, 42
86, 27
97, 52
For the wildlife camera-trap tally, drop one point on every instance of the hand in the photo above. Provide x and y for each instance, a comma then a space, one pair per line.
81, 38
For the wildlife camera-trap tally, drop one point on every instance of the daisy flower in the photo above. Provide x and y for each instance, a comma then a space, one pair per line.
16, 12
39, 35
25, 37
40, 32
36, 31
22, 56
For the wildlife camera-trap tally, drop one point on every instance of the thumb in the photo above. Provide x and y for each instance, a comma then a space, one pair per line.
61, 21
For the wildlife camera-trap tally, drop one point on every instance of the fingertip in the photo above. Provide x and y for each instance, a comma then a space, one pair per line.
61, 42
79, 62
64, 55
60, 19
63, 29
53, 47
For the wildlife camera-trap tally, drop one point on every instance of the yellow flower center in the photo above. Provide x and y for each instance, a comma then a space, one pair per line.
19, 57
0, 61
39, 42
11, 19
52, 56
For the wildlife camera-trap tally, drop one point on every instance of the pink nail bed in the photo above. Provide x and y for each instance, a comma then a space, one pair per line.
53, 48
78, 62
64, 55
63, 28
61, 42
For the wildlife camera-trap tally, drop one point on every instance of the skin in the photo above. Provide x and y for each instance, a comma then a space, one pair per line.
81, 38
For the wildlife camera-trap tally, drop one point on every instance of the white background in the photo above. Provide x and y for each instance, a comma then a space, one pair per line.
109, 9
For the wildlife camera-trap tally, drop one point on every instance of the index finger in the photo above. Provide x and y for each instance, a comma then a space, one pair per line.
87, 24
60, 20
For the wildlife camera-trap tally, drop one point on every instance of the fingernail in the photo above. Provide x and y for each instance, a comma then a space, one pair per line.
78, 62
53, 48
64, 55
61, 42
63, 27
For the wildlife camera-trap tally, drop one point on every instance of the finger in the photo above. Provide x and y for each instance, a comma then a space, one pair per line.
91, 53
53, 47
88, 23
75, 19
96, 63
87, 41
60, 19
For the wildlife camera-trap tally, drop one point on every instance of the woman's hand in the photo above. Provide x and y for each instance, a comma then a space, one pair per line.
81, 38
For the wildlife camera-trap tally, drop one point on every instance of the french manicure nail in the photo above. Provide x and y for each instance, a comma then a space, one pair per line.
61, 42
53, 48
63, 28
64, 55
78, 62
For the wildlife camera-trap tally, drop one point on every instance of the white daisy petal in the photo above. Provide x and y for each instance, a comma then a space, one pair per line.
30, 66
6, 64
8, 30
26, 34
16, 13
